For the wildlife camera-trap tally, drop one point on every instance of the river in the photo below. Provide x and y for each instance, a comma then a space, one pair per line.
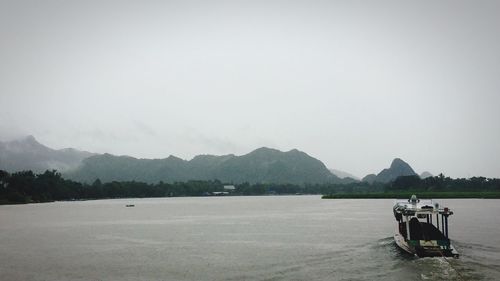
236, 238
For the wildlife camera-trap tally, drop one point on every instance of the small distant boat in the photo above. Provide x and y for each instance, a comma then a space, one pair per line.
130, 205
416, 232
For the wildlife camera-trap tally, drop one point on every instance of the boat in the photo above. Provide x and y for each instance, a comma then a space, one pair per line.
130, 205
422, 228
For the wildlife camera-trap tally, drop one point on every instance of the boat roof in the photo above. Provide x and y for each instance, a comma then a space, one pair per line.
421, 206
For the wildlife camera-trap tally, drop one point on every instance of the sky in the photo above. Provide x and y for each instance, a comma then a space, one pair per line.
352, 83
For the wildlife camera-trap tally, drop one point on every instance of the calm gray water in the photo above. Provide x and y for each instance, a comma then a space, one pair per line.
236, 238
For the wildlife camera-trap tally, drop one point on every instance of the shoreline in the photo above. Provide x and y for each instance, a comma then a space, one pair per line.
422, 195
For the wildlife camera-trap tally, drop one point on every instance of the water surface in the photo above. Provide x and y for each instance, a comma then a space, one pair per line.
236, 238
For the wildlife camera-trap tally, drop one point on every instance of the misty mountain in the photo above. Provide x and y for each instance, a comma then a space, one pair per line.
425, 175
343, 175
29, 154
263, 165
369, 178
398, 168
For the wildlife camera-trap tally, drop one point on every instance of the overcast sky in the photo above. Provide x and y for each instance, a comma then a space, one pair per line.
352, 83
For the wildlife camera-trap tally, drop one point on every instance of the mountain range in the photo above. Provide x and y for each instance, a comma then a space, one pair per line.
263, 165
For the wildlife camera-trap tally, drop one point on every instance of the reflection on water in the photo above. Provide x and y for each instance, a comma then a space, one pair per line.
235, 238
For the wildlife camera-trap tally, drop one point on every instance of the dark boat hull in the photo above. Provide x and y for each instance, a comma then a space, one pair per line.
425, 248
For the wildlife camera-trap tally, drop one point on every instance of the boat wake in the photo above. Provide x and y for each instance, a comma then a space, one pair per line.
379, 259
410, 267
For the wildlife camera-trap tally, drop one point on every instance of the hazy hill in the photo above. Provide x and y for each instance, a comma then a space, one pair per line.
425, 175
263, 165
369, 178
342, 174
29, 154
398, 168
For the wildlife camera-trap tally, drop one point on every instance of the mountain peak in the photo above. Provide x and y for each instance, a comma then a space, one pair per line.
369, 178
28, 141
425, 175
30, 138
174, 158
267, 150
398, 162
264, 150
398, 168
28, 154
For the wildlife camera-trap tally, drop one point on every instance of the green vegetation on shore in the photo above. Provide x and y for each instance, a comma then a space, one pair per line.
28, 187
431, 187
423, 195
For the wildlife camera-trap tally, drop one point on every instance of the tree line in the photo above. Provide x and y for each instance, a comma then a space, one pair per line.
28, 187
444, 184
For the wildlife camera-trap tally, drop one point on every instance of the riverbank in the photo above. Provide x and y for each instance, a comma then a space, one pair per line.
405, 194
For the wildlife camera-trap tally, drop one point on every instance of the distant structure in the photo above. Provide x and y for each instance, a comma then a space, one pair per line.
228, 189
219, 193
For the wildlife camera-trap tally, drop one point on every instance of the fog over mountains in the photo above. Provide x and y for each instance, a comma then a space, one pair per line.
343, 174
263, 165
29, 154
